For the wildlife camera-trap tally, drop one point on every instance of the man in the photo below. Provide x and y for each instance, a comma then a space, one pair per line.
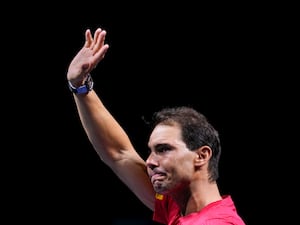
178, 181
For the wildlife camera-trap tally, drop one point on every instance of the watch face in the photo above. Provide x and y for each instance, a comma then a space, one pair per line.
89, 82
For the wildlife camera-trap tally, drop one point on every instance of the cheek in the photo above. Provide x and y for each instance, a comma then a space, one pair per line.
186, 167
183, 166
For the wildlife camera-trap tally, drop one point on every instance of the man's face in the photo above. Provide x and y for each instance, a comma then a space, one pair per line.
170, 163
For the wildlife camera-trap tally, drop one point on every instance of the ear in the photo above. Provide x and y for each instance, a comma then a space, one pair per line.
203, 155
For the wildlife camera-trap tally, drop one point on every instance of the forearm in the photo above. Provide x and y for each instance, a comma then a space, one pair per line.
104, 132
114, 147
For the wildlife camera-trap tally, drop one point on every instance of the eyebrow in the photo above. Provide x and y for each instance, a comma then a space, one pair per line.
162, 145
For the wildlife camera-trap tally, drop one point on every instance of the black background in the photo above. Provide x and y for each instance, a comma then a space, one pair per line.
228, 62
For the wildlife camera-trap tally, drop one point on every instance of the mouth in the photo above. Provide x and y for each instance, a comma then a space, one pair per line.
156, 178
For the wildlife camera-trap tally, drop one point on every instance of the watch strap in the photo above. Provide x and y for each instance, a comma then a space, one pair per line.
83, 89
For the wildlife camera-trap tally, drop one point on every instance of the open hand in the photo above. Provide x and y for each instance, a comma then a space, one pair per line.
88, 57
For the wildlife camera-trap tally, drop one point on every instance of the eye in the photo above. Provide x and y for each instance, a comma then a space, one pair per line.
162, 148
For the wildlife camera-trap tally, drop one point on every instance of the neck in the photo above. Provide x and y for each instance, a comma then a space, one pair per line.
197, 196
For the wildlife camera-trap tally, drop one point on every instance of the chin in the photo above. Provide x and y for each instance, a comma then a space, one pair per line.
160, 189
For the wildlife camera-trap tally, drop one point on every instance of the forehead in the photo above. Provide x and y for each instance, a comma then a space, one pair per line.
165, 134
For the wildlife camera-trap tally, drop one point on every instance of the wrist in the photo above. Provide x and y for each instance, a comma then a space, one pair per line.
86, 87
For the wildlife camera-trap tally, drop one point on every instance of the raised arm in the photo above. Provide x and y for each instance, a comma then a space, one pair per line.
106, 135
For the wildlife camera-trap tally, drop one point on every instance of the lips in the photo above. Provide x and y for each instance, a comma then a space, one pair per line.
157, 177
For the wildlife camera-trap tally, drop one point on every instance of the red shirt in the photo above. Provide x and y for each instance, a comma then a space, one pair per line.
216, 213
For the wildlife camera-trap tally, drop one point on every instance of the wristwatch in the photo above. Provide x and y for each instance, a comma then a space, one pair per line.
83, 89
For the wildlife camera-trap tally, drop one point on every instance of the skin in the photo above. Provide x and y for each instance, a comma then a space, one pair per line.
171, 167
177, 171
169, 163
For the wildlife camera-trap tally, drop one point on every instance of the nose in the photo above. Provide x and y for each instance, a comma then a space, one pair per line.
151, 161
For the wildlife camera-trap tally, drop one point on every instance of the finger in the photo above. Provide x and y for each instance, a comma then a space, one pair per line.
99, 41
101, 53
88, 38
94, 39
